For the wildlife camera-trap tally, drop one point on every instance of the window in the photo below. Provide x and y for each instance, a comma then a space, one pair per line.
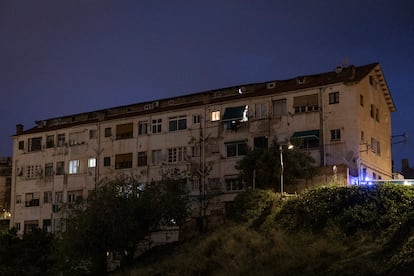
236, 148
47, 197
335, 134
123, 161
30, 225
309, 139
306, 103
47, 225
156, 125
18, 199
21, 145
176, 155
32, 199
61, 140
378, 148
215, 116
92, 162
156, 157
375, 146
374, 175
50, 141
361, 100
75, 196
125, 131
107, 161
279, 108
58, 197
60, 167
108, 132
234, 184
35, 144
334, 98
92, 134
196, 119
377, 117
142, 127
73, 166
142, 158
48, 169
372, 111
34, 171
260, 142
213, 184
260, 110
177, 123
196, 151
236, 114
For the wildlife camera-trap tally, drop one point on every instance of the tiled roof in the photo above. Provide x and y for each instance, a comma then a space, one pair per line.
346, 75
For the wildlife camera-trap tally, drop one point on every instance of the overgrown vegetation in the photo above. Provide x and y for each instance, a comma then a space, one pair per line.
261, 166
328, 231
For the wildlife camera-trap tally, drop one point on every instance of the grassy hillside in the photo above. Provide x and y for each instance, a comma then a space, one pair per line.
328, 231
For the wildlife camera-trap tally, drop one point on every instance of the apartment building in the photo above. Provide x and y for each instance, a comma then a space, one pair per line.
342, 118
5, 191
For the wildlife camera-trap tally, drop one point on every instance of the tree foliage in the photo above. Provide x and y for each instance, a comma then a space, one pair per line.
117, 215
26, 255
262, 166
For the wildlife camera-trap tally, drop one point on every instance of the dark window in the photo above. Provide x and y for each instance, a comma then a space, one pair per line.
236, 148
361, 100
156, 125
48, 169
377, 116
177, 123
142, 158
60, 167
123, 161
35, 144
372, 111
50, 141
260, 142
21, 145
279, 108
108, 132
334, 98
107, 161
196, 119
32, 199
61, 140
234, 184
142, 127
335, 134
125, 131
92, 133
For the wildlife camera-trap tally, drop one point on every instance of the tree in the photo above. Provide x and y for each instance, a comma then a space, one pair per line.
261, 167
118, 214
26, 255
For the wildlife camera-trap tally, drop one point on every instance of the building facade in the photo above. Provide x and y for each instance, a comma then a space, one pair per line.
5, 191
342, 118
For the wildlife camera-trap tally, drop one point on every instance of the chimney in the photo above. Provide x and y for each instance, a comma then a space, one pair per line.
404, 164
19, 129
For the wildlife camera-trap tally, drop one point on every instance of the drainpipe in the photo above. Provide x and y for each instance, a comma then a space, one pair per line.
322, 128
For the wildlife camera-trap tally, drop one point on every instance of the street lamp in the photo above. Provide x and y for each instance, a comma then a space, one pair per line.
289, 147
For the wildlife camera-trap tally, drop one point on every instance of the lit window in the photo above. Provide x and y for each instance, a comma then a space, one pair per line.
73, 166
215, 116
91, 162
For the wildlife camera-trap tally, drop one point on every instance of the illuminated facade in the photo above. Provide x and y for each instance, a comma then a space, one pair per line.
342, 118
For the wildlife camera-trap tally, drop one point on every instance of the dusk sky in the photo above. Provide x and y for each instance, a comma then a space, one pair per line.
62, 57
